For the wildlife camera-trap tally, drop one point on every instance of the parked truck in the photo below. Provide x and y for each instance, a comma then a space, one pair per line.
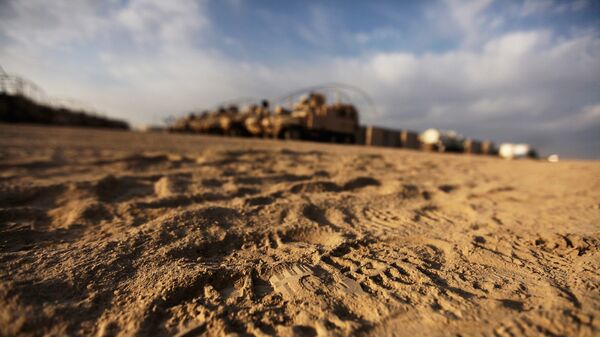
441, 141
313, 119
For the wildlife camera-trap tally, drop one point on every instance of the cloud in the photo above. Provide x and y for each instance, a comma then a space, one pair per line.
517, 87
165, 22
532, 7
393, 67
464, 19
36, 24
467, 15
587, 116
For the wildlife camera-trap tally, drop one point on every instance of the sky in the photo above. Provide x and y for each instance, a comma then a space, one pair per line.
510, 71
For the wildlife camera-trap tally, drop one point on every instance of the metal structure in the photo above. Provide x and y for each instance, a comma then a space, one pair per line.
23, 101
333, 92
16, 85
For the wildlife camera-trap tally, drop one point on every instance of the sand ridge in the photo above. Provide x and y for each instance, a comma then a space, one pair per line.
112, 233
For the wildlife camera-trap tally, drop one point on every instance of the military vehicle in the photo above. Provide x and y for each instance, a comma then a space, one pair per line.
192, 123
313, 119
253, 121
267, 122
488, 147
180, 124
224, 119
200, 123
441, 141
472, 146
409, 139
516, 151
233, 121
378, 136
326, 113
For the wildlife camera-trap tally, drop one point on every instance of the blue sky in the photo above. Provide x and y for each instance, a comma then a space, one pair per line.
522, 71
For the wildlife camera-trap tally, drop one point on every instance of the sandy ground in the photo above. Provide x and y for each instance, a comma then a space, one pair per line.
113, 233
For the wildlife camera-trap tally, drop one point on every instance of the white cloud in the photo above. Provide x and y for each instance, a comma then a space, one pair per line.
380, 34
319, 28
151, 21
465, 19
393, 67
587, 116
591, 114
38, 24
467, 14
531, 7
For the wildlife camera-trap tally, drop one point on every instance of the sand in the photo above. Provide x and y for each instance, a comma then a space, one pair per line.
108, 233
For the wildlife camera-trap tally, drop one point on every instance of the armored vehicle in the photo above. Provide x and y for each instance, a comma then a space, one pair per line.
313, 119
472, 146
184, 124
231, 122
488, 147
179, 124
207, 122
516, 151
409, 139
441, 141
378, 136
253, 121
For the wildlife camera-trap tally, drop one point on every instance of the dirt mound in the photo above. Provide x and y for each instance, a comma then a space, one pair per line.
124, 235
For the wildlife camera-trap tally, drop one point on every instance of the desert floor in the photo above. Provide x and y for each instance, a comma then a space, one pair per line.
120, 233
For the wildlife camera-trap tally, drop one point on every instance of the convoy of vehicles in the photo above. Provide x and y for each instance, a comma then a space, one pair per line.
312, 117
312, 114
